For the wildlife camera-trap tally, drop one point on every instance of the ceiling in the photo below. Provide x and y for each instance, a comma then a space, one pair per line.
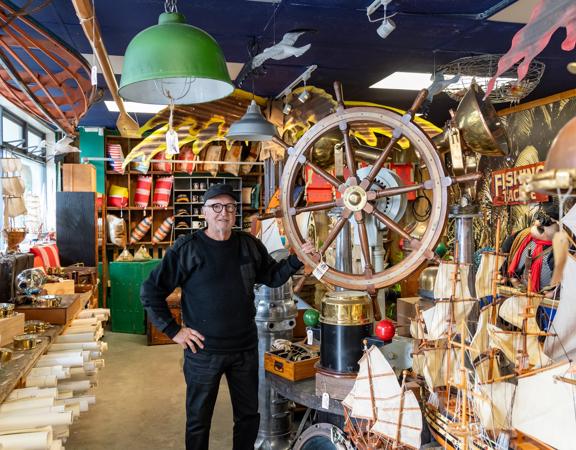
345, 45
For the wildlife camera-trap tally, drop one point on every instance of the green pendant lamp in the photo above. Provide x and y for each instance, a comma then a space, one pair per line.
253, 126
174, 61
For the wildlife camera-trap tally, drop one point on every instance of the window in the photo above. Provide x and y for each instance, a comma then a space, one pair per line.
12, 130
35, 140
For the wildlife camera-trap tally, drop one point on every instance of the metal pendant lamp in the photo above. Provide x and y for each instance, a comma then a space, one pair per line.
174, 61
253, 126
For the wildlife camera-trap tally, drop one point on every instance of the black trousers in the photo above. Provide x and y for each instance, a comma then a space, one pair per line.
203, 371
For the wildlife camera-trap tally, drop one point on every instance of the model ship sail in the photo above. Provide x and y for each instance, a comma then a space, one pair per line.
483, 283
436, 365
377, 396
443, 286
445, 312
563, 344
545, 406
12, 189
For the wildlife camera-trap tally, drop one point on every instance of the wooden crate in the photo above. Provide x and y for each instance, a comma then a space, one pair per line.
61, 315
10, 327
291, 370
154, 335
78, 178
60, 288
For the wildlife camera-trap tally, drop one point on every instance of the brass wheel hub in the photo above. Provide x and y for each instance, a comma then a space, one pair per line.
354, 198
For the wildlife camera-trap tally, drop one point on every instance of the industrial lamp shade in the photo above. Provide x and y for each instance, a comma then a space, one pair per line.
174, 59
252, 126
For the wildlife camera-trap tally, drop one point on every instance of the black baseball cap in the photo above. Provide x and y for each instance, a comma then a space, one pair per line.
220, 189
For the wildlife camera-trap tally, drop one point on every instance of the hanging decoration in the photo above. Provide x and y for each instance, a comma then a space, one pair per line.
163, 230
140, 230
40, 74
546, 18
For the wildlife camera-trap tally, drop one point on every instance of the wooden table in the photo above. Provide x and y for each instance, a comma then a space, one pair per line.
14, 371
62, 315
303, 392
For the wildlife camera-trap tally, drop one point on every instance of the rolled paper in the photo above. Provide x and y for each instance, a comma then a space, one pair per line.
80, 337
32, 392
83, 329
26, 404
140, 230
93, 346
87, 321
35, 420
163, 230
64, 394
27, 441
75, 386
83, 402
142, 193
93, 312
66, 359
75, 408
95, 354
42, 381
57, 444
34, 411
58, 371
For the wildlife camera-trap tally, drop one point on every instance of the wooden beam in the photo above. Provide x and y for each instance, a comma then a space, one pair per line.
542, 101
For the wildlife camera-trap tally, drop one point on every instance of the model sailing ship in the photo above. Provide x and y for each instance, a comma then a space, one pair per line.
12, 197
506, 385
380, 412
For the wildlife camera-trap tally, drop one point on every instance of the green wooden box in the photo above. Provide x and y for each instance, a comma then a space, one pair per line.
126, 311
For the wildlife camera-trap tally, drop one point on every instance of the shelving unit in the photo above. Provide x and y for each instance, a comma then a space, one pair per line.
194, 187
184, 183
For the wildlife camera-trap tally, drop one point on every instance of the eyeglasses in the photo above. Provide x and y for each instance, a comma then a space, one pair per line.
218, 207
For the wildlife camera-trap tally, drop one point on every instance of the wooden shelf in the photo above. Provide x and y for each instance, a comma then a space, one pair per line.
137, 208
110, 244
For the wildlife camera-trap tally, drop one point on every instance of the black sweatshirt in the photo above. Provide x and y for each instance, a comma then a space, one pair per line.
217, 280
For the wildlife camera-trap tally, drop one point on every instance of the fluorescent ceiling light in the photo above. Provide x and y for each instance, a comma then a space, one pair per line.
407, 81
118, 60
414, 81
133, 107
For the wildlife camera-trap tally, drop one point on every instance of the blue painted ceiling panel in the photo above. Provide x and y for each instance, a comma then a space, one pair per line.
345, 45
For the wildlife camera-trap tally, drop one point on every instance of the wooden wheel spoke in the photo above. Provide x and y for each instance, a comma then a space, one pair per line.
334, 233
350, 159
344, 127
364, 243
367, 182
395, 226
316, 207
396, 135
327, 176
280, 142
390, 192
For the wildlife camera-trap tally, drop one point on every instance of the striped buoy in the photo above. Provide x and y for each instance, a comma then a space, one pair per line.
142, 194
140, 230
162, 192
163, 230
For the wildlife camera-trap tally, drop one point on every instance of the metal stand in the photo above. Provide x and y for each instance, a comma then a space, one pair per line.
464, 215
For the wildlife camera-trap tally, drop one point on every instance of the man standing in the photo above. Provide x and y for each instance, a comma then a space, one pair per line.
216, 269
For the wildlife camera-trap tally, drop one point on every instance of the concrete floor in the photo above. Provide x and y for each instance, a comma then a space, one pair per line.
140, 401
